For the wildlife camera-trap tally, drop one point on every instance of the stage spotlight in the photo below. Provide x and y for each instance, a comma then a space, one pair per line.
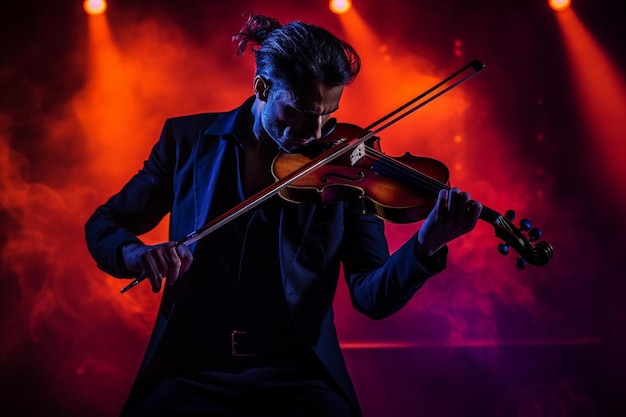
339, 6
94, 7
559, 5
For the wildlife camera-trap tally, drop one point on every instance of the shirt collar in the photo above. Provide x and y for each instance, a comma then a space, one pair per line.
235, 123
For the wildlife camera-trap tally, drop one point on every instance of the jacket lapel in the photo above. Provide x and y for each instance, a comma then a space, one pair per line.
211, 156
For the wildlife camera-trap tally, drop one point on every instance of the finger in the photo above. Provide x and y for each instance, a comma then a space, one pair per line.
151, 270
161, 258
173, 265
457, 202
159, 263
441, 206
461, 201
186, 257
474, 208
451, 197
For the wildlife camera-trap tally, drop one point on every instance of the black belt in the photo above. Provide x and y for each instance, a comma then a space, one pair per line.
236, 350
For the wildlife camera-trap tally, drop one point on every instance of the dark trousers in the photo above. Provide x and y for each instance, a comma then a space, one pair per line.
254, 392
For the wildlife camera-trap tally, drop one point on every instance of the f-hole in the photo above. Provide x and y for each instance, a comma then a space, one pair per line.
359, 177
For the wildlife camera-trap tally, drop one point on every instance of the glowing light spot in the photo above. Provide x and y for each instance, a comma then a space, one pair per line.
339, 6
458, 166
458, 139
559, 5
384, 50
95, 7
458, 48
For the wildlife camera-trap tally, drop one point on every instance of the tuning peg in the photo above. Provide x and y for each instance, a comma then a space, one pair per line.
510, 215
521, 263
534, 234
524, 225
503, 248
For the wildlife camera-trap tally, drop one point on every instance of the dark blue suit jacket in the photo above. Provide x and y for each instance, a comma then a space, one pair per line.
180, 178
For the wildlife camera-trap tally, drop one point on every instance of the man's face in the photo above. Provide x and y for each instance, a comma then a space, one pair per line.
293, 118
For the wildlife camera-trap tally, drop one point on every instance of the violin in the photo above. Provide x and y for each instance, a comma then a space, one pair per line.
400, 190
397, 189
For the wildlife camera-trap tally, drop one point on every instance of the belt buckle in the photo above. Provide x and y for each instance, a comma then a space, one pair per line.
240, 344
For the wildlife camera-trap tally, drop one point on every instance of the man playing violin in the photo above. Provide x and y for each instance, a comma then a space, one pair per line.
245, 325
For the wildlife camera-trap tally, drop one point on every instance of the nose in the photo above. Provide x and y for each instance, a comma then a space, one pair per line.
314, 127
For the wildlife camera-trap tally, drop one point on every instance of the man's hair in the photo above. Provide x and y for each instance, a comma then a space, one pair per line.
284, 55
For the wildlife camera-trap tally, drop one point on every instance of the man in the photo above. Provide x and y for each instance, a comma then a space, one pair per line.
245, 326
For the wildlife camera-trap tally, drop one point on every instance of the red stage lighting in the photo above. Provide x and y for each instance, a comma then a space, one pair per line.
95, 7
559, 5
340, 6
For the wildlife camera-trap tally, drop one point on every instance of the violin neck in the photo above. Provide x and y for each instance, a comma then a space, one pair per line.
402, 173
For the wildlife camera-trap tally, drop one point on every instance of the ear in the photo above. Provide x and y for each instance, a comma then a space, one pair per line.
261, 88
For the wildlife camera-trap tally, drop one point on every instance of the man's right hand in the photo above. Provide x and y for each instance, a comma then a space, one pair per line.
158, 261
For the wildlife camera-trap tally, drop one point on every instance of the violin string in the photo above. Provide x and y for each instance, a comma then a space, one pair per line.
398, 170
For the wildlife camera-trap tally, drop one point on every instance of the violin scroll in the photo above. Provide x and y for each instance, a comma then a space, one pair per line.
527, 245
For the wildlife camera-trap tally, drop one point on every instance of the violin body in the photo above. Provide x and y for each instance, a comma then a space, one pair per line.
382, 196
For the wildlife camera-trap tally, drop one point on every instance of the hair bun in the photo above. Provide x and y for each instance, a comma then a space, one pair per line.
254, 32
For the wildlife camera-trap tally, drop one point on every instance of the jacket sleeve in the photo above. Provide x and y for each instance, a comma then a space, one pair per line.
136, 209
381, 284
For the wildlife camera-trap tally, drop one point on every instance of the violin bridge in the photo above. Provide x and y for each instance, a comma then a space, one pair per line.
357, 154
